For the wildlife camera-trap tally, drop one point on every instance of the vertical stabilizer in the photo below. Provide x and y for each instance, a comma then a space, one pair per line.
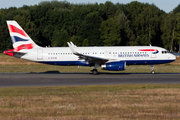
20, 39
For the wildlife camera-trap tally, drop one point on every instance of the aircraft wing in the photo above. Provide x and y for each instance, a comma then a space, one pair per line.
87, 57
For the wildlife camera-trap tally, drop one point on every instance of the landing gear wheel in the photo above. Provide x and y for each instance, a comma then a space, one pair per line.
94, 72
152, 69
152, 72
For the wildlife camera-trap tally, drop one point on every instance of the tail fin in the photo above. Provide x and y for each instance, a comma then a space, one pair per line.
19, 37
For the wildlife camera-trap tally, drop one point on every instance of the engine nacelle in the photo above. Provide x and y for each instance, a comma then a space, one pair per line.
114, 66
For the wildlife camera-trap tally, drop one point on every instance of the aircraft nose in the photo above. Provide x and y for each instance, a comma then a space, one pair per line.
172, 57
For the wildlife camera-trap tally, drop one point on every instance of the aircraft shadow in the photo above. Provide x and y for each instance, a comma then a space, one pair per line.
99, 73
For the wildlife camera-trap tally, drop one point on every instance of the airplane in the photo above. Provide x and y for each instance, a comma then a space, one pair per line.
114, 58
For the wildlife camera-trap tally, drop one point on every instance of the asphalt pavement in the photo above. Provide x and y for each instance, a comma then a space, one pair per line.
71, 79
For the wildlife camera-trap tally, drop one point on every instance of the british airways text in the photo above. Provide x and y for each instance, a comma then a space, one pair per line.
133, 55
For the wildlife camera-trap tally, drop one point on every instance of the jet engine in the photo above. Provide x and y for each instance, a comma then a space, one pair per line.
114, 66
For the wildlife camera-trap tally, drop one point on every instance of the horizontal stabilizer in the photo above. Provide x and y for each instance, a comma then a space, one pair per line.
14, 53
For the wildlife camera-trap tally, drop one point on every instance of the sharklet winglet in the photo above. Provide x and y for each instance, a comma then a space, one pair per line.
72, 49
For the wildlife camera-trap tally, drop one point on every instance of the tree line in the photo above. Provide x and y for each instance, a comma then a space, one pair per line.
54, 23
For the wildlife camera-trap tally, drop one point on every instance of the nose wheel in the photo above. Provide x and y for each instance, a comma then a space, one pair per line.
152, 69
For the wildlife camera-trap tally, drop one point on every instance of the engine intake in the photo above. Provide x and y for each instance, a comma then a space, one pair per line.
114, 66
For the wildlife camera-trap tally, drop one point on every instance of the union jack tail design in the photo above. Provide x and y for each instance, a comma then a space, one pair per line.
19, 37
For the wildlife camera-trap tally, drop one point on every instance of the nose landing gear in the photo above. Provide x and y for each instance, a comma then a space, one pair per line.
152, 69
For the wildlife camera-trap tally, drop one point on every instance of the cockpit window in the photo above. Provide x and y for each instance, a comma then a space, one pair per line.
164, 52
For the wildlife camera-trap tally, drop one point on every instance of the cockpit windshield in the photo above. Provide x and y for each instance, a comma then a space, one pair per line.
164, 52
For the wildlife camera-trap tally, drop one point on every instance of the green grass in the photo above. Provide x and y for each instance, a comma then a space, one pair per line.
38, 68
115, 102
21, 91
1, 54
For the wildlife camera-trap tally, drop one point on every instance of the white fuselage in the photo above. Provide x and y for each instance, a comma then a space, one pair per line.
136, 55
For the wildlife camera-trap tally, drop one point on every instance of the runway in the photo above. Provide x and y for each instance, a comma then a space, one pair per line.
71, 79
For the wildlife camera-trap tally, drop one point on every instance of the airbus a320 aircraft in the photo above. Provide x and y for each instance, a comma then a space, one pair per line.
108, 58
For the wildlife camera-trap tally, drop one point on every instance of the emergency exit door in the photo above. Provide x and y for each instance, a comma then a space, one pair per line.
40, 54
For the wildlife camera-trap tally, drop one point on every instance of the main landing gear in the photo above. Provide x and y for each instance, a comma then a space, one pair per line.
95, 71
152, 69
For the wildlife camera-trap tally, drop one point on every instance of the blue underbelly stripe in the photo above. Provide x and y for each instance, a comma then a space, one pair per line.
128, 62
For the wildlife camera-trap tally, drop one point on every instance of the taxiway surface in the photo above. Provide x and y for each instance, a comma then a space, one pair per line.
71, 79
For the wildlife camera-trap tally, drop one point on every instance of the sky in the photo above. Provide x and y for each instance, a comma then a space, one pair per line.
165, 5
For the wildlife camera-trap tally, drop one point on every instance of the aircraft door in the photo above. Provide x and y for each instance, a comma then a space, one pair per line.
40, 54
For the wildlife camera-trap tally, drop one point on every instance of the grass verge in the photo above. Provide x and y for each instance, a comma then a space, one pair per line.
115, 102
40, 68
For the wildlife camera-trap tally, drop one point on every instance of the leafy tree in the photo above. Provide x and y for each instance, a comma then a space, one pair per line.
76, 40
177, 33
55, 39
85, 42
111, 32
60, 38
177, 9
168, 28
149, 25
127, 35
56, 4
78, 15
145, 21
91, 29
3, 42
110, 9
102, 11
